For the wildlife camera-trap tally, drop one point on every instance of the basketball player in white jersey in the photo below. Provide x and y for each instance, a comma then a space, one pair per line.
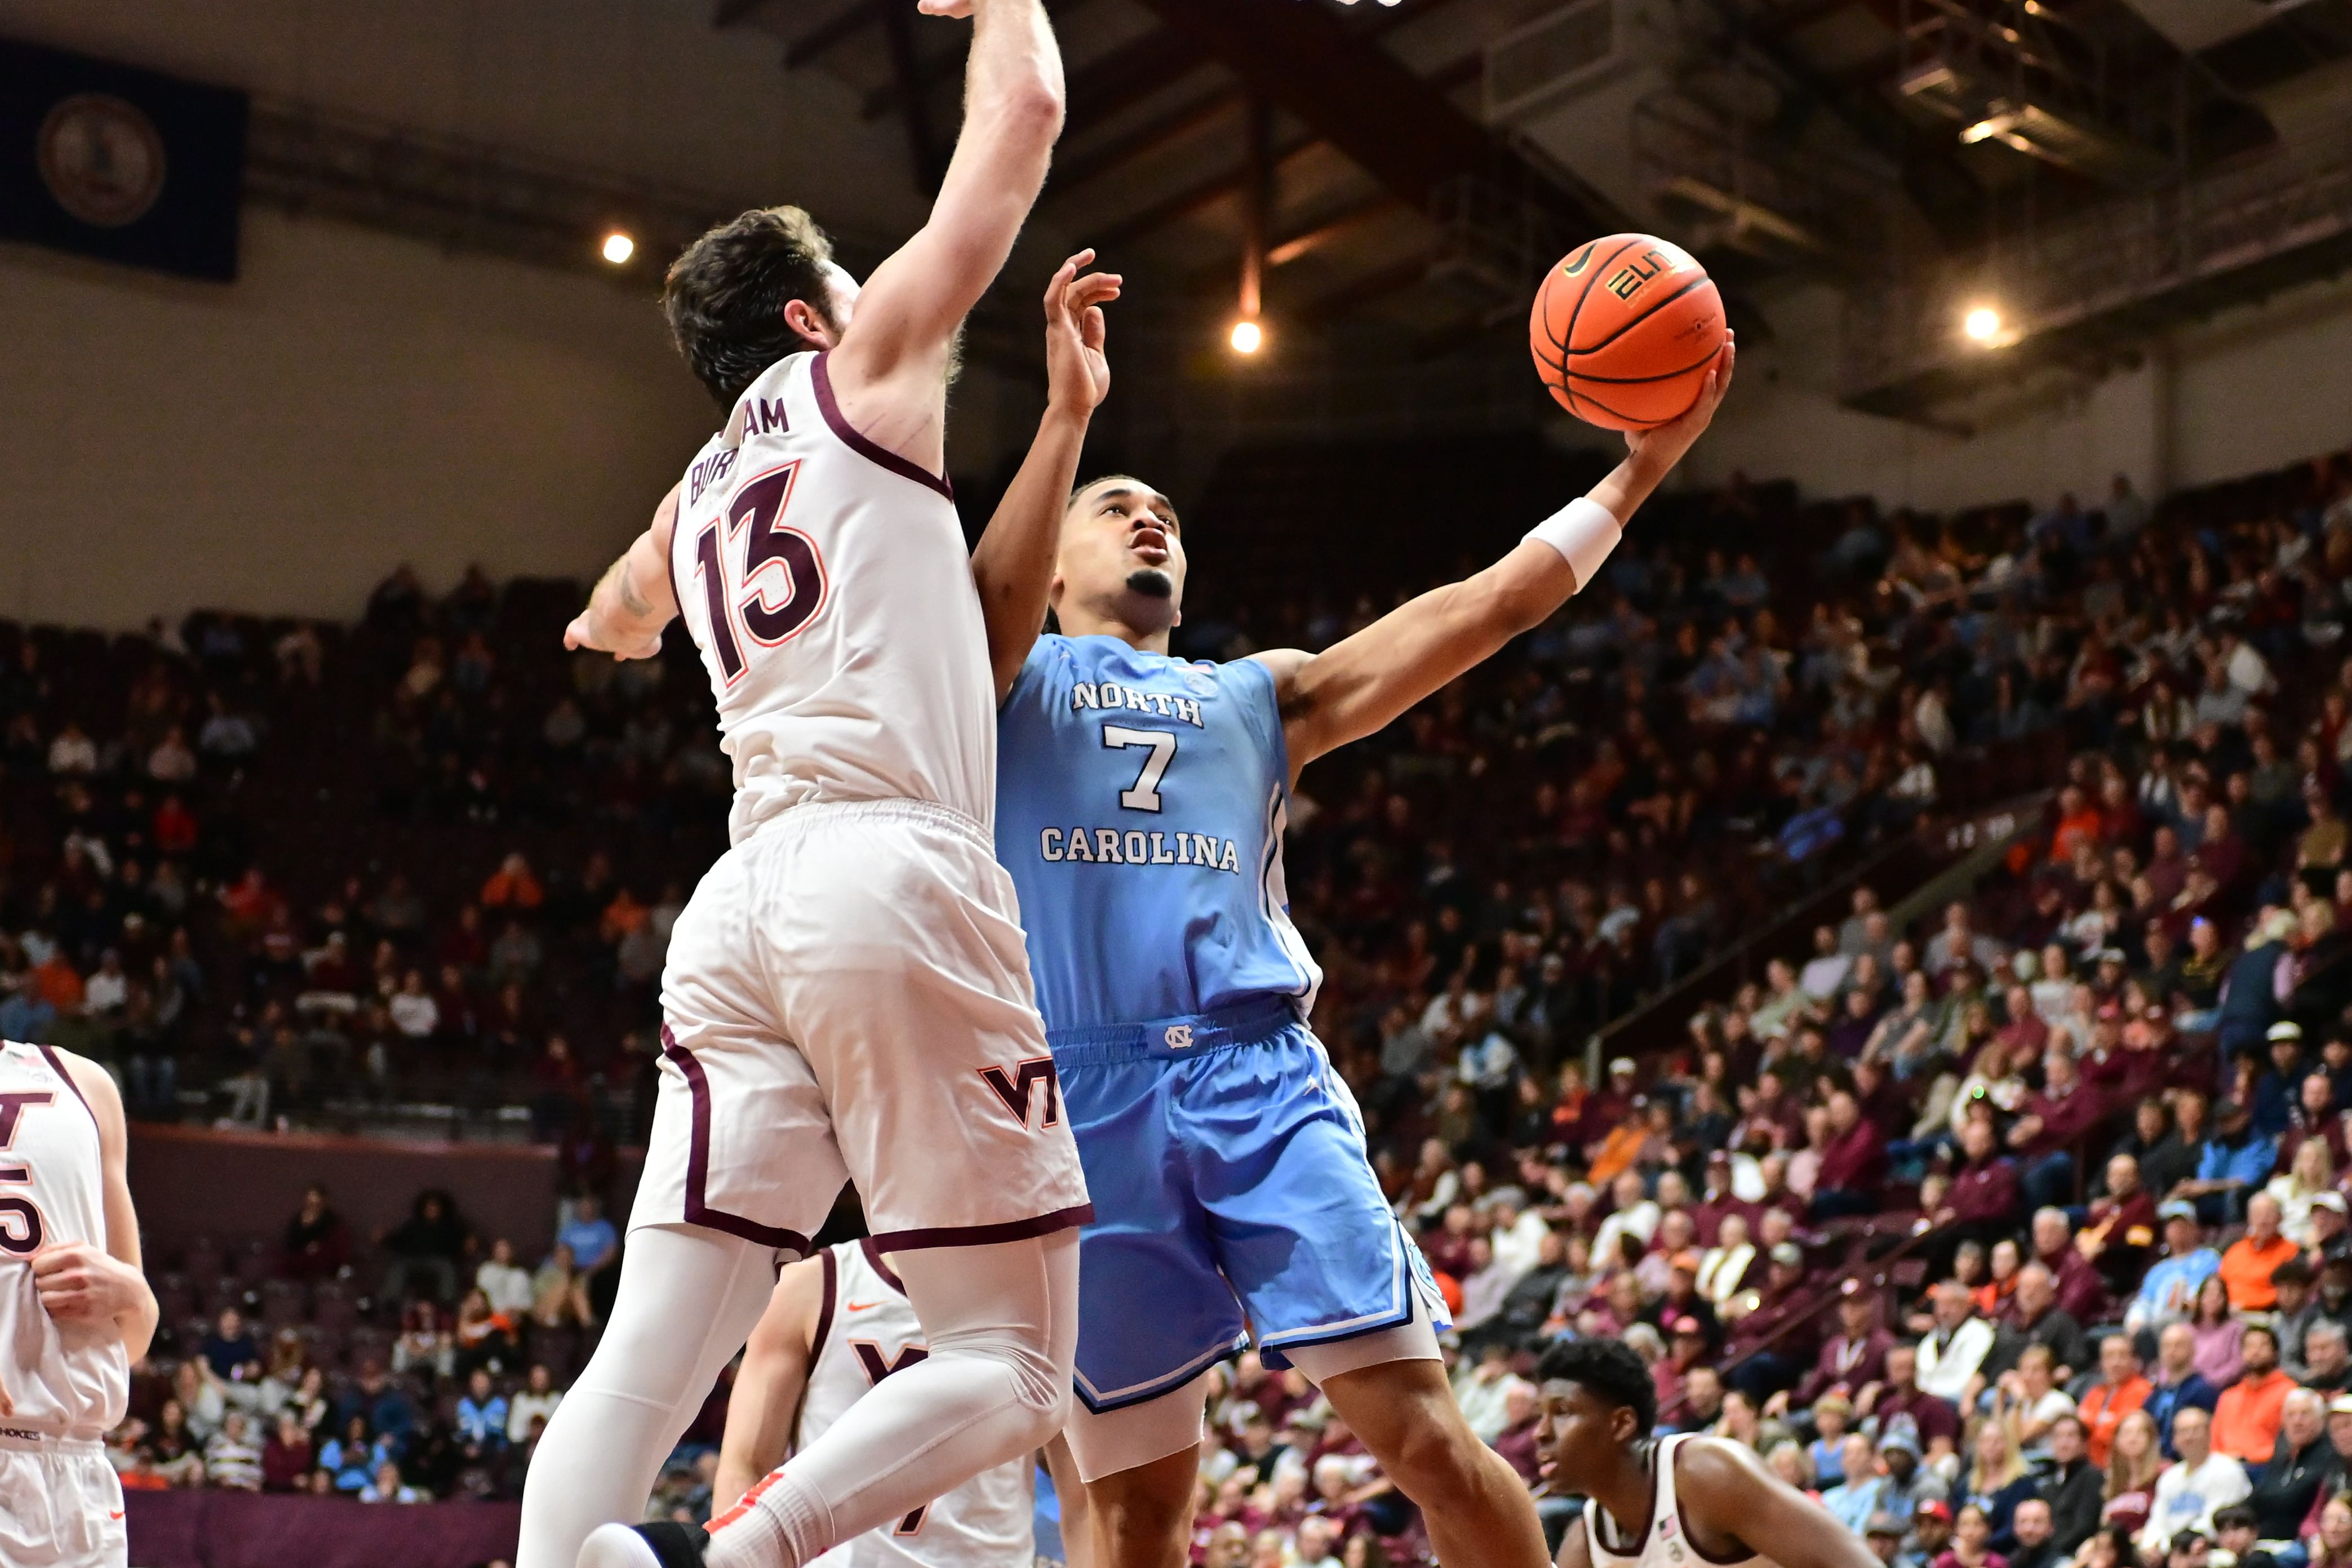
837, 1325
1682, 1501
75, 1308
847, 995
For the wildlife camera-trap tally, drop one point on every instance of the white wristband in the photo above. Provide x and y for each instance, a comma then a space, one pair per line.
1584, 532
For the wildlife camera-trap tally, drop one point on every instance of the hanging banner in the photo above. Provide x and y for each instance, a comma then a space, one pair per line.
127, 165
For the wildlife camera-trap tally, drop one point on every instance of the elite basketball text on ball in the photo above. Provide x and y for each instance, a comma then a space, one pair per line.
1624, 330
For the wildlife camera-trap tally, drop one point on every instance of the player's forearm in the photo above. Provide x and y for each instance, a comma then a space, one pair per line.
632, 602
1012, 566
137, 1322
1013, 86
1013, 99
1629, 485
758, 1436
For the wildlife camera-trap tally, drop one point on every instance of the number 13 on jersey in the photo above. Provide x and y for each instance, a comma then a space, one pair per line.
761, 581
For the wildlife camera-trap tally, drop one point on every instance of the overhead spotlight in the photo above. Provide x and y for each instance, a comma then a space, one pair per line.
1982, 324
619, 247
1248, 337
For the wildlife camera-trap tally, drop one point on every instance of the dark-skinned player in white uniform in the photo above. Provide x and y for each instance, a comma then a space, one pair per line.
1682, 1501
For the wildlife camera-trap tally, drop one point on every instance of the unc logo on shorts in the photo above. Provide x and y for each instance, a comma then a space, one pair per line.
1017, 1090
1179, 1036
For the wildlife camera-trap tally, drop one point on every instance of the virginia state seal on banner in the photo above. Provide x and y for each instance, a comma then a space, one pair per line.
102, 159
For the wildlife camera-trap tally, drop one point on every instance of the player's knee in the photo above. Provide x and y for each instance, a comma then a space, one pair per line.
1134, 1510
1437, 1460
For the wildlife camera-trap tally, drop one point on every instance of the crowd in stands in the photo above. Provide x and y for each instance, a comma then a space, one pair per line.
2007, 1219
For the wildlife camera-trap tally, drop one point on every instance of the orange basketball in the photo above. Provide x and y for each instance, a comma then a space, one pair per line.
1624, 330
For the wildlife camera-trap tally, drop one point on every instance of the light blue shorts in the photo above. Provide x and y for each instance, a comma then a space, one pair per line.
1233, 1201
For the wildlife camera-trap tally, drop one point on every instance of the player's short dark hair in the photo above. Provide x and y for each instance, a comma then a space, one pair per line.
726, 293
1609, 1368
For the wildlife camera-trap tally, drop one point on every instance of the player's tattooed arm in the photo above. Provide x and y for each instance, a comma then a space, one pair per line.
1360, 683
81, 1284
765, 1404
1012, 566
632, 601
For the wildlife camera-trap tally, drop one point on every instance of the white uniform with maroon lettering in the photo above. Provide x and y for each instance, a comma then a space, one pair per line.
61, 1504
866, 1331
847, 996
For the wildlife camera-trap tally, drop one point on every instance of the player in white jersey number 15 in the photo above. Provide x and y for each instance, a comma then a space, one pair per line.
846, 998
1682, 1501
75, 1308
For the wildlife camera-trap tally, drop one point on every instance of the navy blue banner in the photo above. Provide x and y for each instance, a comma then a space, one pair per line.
127, 166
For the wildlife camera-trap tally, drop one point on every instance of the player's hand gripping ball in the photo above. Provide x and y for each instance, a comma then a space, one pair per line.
1624, 330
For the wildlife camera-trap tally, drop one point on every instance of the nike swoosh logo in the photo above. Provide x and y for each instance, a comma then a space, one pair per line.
114, 1514
1577, 264
859, 1306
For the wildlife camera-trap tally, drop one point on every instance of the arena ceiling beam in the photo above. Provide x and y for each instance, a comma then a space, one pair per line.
1192, 198
1354, 94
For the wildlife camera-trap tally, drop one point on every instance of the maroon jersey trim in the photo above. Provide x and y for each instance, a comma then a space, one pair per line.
59, 1068
821, 380
983, 1235
824, 1313
697, 1162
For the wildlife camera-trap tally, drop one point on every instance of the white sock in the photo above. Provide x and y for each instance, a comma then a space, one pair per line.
687, 1300
1001, 1324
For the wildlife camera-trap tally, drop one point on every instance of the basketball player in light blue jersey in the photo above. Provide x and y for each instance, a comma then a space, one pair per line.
1141, 807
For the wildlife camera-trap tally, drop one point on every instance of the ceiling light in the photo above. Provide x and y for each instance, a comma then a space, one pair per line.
1247, 338
1982, 324
619, 247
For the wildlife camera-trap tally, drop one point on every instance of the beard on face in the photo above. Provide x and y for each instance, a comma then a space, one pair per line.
1151, 582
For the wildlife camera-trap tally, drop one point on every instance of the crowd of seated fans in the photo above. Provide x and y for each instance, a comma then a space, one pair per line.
1932, 1213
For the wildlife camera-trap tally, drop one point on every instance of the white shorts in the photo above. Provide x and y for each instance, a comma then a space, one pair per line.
60, 1504
847, 999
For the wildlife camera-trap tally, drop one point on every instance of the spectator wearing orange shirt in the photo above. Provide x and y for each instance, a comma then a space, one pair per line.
2246, 1419
2078, 823
2247, 1266
2121, 1390
58, 982
512, 885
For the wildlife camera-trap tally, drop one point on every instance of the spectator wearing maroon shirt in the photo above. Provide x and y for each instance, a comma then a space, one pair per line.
1779, 1327
1852, 1169
1933, 1419
318, 1244
2118, 1238
1853, 1359
2081, 1290
2054, 1120
1719, 1200
1985, 1197
2314, 1115
286, 1457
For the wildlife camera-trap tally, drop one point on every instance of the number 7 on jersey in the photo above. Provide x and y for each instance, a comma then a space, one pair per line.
1144, 796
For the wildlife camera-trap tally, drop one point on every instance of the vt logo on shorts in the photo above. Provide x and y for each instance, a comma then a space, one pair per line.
1017, 1089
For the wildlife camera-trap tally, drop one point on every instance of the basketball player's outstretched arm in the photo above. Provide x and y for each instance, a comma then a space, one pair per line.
79, 1283
632, 602
890, 369
1360, 683
1729, 1501
765, 1403
1012, 566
